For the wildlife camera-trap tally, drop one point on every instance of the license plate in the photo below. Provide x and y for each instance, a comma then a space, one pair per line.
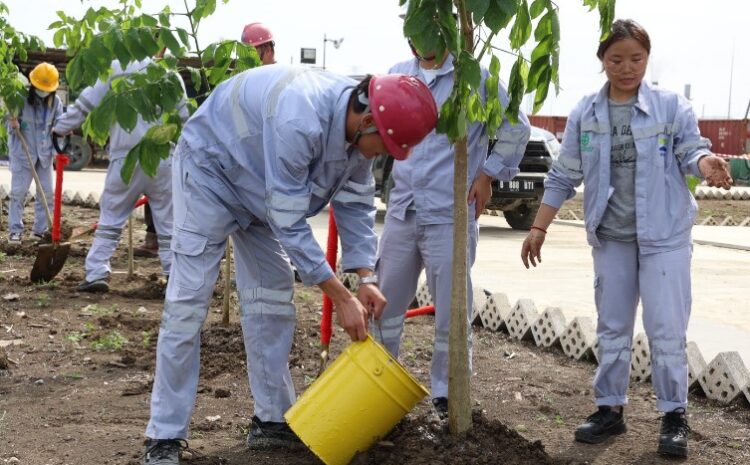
517, 186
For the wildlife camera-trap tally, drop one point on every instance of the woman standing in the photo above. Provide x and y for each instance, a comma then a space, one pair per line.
632, 144
41, 111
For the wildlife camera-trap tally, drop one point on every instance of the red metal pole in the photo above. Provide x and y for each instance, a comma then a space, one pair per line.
60, 162
326, 321
428, 310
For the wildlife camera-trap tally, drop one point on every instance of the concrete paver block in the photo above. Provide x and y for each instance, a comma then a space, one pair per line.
725, 378
696, 365
67, 197
579, 338
77, 199
424, 297
640, 359
478, 303
349, 280
4, 192
548, 327
91, 200
496, 311
521, 319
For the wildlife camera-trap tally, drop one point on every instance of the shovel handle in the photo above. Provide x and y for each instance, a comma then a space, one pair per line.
56, 143
326, 321
40, 189
60, 162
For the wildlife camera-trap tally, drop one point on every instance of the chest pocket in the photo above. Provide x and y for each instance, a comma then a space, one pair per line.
655, 144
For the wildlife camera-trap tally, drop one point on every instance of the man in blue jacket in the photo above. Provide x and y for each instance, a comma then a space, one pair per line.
269, 148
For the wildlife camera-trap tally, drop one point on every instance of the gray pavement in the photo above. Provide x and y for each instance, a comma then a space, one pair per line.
721, 275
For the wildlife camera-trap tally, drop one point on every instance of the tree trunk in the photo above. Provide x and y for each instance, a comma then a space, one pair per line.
459, 382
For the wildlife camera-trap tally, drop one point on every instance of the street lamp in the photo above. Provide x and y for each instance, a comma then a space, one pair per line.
336, 44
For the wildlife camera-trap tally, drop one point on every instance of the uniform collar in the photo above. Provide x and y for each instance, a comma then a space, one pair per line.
337, 148
601, 104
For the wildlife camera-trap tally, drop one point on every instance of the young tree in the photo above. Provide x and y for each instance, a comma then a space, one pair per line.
129, 34
14, 45
468, 36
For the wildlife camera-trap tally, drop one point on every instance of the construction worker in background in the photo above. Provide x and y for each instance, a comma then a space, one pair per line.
269, 148
632, 145
260, 37
41, 111
418, 231
117, 199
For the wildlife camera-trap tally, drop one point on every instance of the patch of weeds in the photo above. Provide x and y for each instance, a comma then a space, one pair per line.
43, 300
559, 420
542, 418
113, 341
309, 380
74, 376
2, 420
46, 285
99, 310
77, 336
521, 428
146, 339
3, 256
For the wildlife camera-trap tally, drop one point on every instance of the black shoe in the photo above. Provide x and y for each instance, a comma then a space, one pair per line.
266, 435
601, 426
99, 285
673, 438
163, 451
441, 407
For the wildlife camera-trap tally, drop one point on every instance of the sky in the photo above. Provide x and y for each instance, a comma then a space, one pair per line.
695, 43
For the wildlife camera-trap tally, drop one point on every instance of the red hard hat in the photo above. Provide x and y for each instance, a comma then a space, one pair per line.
256, 34
404, 111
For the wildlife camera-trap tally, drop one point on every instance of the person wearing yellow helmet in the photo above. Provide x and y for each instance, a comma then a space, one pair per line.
34, 123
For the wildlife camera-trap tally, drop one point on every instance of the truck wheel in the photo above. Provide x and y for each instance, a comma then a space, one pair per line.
79, 153
522, 217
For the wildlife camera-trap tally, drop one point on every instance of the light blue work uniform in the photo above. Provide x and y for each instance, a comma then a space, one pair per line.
263, 153
117, 199
35, 123
654, 267
418, 232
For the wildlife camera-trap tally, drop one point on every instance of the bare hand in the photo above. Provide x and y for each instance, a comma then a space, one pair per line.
372, 299
532, 247
352, 316
14, 123
716, 171
480, 192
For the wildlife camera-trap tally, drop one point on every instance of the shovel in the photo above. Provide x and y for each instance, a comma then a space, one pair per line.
51, 257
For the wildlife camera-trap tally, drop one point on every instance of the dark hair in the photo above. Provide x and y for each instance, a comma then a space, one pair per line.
362, 88
625, 29
32, 98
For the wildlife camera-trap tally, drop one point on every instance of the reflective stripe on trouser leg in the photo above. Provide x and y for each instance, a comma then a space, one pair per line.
193, 277
115, 206
398, 266
436, 245
265, 281
20, 181
616, 296
103, 246
666, 296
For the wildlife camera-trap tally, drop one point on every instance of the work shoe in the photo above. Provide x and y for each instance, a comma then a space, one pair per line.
601, 426
99, 285
14, 238
673, 438
266, 435
441, 407
36, 237
150, 247
163, 451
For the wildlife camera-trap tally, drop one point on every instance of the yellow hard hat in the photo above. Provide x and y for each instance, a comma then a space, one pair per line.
45, 77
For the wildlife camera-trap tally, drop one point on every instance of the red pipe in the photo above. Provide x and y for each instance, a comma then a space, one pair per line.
326, 321
60, 162
428, 310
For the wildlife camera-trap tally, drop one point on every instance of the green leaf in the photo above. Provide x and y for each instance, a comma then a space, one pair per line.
542, 89
74, 72
168, 40
148, 42
538, 67
543, 48
126, 114
59, 38
478, 8
521, 30
538, 7
128, 166
469, 70
495, 66
184, 36
495, 18
133, 42
195, 76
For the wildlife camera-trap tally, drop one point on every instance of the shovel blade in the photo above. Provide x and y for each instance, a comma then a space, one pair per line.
50, 259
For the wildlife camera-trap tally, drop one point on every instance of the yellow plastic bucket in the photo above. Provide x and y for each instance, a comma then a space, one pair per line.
354, 403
